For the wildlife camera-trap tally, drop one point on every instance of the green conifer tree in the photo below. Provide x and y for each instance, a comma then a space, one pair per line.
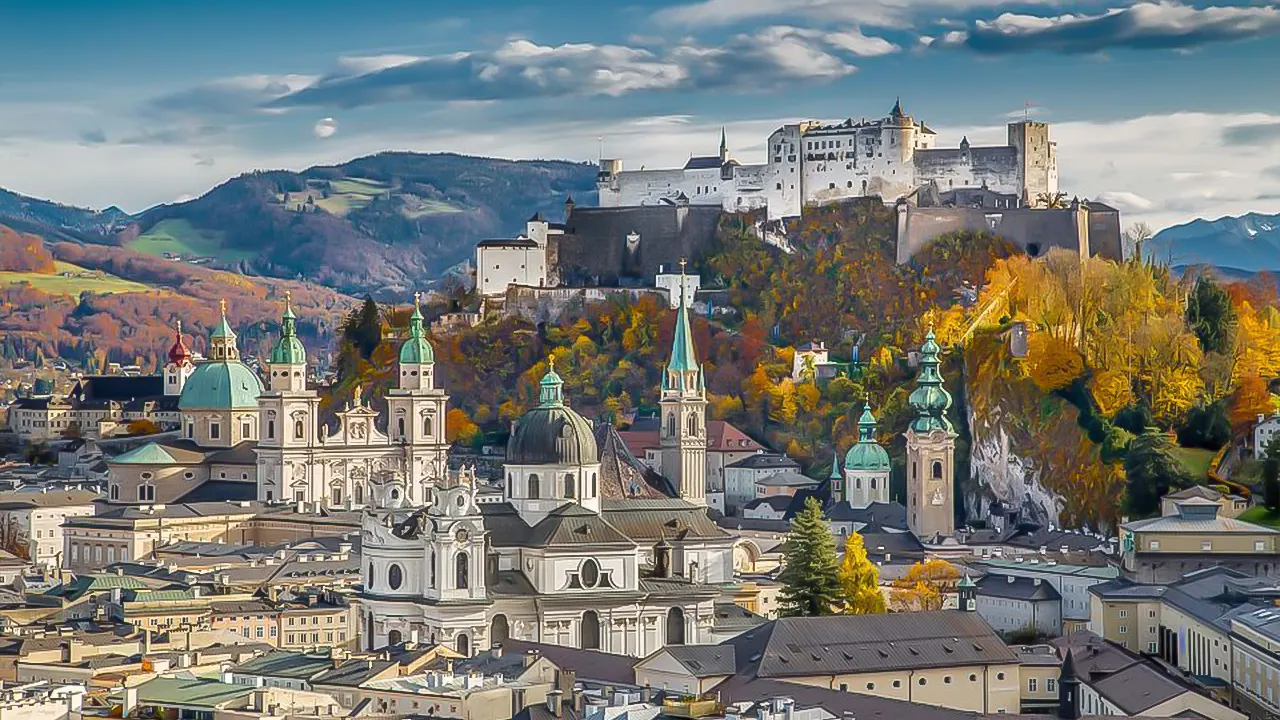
810, 582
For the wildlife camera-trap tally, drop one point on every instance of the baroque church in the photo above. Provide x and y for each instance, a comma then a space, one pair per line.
576, 552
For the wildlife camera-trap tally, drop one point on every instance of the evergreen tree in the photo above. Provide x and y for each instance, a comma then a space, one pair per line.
363, 328
1152, 471
1211, 315
810, 582
859, 580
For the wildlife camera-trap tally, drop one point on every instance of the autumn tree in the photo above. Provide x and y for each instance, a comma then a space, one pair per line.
363, 328
1053, 362
1151, 470
810, 582
859, 580
925, 585
1251, 398
142, 426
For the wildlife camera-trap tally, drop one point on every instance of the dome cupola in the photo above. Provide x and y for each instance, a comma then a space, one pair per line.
179, 354
867, 455
416, 350
930, 400
289, 349
552, 433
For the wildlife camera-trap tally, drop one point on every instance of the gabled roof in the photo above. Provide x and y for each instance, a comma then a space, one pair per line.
572, 524
621, 474
190, 692
765, 461
1013, 587
285, 664
725, 437
149, 454
703, 661
778, 503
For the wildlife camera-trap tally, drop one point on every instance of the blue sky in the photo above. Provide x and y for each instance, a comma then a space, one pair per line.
1170, 110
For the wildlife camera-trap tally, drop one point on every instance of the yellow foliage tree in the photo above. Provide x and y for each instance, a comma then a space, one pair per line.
859, 580
1111, 391
459, 428
1053, 362
924, 585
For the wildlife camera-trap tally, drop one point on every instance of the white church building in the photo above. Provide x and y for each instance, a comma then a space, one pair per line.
812, 163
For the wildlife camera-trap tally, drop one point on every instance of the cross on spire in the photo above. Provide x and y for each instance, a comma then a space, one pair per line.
222, 306
417, 299
288, 299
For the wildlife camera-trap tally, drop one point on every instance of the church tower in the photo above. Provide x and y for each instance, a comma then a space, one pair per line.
222, 341
931, 447
179, 367
416, 413
683, 406
866, 466
287, 414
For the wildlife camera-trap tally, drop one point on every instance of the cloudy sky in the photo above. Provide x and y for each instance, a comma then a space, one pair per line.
1169, 110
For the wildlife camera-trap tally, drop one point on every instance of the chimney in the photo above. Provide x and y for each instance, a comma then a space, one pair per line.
646, 694
577, 699
496, 650
530, 657
553, 702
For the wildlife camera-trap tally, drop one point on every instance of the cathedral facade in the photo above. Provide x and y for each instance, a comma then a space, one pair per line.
581, 551
813, 163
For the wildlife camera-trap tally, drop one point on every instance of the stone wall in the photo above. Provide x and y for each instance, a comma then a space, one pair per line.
1079, 229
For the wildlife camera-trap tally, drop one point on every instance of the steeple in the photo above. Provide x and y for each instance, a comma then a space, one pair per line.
179, 354
288, 350
416, 350
683, 372
896, 113
835, 466
551, 389
867, 425
724, 146
222, 341
930, 400
1068, 688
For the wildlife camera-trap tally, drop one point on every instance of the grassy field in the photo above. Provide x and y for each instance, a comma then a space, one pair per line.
57, 284
1195, 460
1259, 515
180, 237
350, 194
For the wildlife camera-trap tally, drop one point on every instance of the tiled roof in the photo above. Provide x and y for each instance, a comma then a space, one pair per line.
764, 461
285, 664
725, 437
621, 474
24, 499
797, 647
1127, 680
778, 503
788, 478
1013, 587
572, 524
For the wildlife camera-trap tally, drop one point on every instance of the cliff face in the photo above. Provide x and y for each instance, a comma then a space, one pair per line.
1027, 449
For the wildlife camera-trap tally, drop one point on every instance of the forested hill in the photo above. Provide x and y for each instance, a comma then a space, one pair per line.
382, 224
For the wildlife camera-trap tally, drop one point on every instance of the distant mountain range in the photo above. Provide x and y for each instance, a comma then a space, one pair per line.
384, 224
1238, 246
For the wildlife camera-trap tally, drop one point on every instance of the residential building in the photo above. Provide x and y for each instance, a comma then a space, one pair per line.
1255, 675
35, 519
740, 477
1015, 605
1232, 505
1164, 549
812, 362
41, 701
784, 484
1263, 432
1072, 580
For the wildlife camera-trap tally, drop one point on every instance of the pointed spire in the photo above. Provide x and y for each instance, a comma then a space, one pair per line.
683, 371
179, 353
551, 389
288, 350
835, 465
223, 328
896, 112
930, 399
222, 341
724, 145
416, 350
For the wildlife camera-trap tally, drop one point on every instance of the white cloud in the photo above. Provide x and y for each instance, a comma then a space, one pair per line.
1126, 201
1141, 26
879, 13
231, 96
361, 64
325, 128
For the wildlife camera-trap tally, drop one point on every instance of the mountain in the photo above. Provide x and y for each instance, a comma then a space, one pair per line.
1248, 243
383, 224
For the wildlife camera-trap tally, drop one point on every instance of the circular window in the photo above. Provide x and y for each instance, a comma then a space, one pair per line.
897, 683
973, 678
188, 475
871, 686
999, 676
922, 681
395, 576
146, 476
590, 573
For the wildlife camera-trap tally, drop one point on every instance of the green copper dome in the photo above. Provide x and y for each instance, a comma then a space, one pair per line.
867, 455
289, 349
552, 433
416, 350
220, 386
930, 400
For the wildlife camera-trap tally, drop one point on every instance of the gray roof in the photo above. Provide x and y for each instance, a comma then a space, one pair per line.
779, 503
801, 646
877, 514
285, 665
1013, 587
1264, 620
703, 661
572, 524
730, 617
621, 474
788, 478
588, 665
1134, 684
518, 242
1197, 523
764, 461
353, 672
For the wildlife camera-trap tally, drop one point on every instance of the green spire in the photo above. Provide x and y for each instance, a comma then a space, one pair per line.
930, 399
835, 465
223, 329
289, 350
867, 425
416, 350
683, 371
868, 455
551, 389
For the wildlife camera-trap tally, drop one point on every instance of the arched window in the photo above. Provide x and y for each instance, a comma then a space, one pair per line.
937, 470
359, 494
568, 485
426, 425
511, 481
369, 629
394, 637
594, 490
463, 645
693, 423
671, 424
432, 573
368, 583
675, 626
395, 577
146, 493
873, 483
400, 426
460, 571
298, 430
533, 486
499, 630
590, 630
271, 429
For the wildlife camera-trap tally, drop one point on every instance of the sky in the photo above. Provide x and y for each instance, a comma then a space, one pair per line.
1169, 110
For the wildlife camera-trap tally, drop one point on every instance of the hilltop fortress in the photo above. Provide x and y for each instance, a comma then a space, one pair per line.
812, 163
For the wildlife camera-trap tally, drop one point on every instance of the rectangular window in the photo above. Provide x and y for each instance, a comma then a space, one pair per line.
1124, 613
1259, 545
1051, 685
1153, 545
1031, 684
214, 431
1206, 545
1124, 629
244, 430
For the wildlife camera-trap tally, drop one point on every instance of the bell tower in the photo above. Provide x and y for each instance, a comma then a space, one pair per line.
683, 404
179, 367
287, 422
931, 449
416, 411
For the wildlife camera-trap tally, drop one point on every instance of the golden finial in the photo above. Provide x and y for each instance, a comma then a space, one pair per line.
683, 262
288, 299
222, 306
551, 362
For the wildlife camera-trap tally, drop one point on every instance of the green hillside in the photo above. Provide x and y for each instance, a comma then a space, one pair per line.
179, 238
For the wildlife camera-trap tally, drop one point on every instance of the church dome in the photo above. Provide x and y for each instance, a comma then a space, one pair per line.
552, 433
867, 455
289, 349
220, 386
416, 350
